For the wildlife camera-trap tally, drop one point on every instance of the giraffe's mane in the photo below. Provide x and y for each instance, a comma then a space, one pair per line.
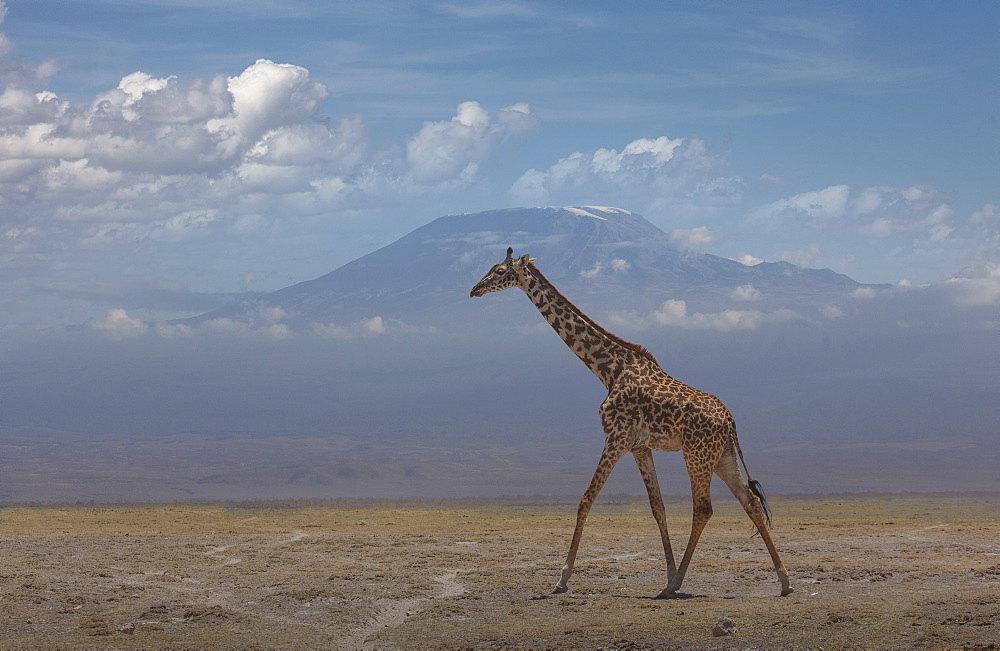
640, 350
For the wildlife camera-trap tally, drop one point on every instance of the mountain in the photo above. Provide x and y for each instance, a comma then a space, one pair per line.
608, 259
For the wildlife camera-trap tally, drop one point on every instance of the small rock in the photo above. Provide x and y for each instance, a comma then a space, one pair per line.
837, 618
127, 629
724, 626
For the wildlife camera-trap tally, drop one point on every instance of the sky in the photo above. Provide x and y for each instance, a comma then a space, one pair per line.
159, 157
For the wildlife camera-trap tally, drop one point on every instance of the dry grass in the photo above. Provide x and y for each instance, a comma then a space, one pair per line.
903, 571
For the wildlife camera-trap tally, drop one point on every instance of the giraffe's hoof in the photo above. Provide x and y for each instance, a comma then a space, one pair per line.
787, 591
559, 589
667, 593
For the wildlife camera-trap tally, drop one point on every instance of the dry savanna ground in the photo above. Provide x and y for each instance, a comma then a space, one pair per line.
875, 571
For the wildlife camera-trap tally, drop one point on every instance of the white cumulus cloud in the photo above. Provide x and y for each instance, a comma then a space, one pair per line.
801, 257
645, 169
370, 327
616, 265
816, 206
746, 292
694, 238
117, 324
266, 96
877, 211
674, 313
977, 286
444, 150
748, 260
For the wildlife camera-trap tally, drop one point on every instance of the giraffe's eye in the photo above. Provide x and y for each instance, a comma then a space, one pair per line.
501, 270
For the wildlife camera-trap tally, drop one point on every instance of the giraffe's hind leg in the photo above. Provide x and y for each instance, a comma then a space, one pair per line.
729, 470
701, 498
644, 459
609, 458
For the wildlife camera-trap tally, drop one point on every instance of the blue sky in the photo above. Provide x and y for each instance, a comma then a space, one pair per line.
156, 154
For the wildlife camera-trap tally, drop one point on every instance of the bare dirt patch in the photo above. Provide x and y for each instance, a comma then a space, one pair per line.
883, 571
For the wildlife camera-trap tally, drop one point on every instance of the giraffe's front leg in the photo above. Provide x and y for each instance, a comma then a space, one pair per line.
609, 458
644, 459
581, 516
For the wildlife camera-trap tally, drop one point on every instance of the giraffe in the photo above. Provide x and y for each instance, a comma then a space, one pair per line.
645, 410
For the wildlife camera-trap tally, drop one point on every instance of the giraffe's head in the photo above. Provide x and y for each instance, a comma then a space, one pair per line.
507, 273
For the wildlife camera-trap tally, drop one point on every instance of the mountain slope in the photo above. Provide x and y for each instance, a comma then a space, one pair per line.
606, 258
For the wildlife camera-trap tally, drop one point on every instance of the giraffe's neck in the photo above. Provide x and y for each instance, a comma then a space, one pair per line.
604, 353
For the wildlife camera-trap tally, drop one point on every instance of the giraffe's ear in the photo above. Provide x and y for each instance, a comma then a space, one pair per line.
531, 259
525, 259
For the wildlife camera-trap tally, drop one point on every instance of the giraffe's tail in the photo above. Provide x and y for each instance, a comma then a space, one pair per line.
753, 484
759, 492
